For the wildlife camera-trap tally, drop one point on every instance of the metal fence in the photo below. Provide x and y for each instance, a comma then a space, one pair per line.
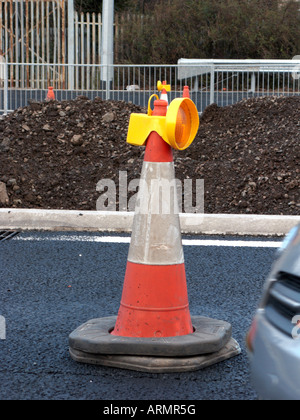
42, 31
34, 30
210, 81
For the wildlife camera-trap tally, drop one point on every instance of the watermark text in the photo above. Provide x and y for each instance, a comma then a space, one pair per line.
158, 196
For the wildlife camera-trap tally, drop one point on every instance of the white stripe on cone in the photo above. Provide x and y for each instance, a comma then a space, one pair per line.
164, 97
156, 234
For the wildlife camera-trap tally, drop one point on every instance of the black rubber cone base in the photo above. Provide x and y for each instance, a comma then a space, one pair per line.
158, 364
210, 343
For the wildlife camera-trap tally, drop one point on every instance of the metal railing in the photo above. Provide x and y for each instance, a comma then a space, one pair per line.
210, 81
234, 80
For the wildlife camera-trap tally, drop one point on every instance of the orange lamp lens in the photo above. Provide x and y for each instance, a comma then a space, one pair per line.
182, 123
183, 126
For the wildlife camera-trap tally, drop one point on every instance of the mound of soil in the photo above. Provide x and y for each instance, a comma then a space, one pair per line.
53, 154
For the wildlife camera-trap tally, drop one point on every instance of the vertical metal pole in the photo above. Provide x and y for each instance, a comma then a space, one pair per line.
5, 86
22, 56
17, 37
1, 28
107, 53
88, 51
27, 41
11, 12
71, 46
253, 82
63, 43
212, 85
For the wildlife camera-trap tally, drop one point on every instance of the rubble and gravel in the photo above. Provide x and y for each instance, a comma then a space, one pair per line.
53, 154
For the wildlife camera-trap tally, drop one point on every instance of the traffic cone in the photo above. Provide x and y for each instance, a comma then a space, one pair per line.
50, 95
186, 92
164, 95
163, 88
155, 300
154, 330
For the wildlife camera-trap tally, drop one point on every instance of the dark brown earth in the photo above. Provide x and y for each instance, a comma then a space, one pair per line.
53, 154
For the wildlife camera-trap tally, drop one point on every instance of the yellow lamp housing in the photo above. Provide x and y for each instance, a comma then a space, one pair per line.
161, 86
178, 128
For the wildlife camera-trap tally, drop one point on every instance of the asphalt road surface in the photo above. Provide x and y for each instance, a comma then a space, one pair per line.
50, 283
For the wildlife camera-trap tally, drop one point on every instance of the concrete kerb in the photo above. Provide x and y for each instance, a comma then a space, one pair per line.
96, 221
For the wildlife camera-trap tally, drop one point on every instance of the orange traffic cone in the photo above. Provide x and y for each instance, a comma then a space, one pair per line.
50, 94
164, 95
163, 88
154, 331
186, 92
155, 299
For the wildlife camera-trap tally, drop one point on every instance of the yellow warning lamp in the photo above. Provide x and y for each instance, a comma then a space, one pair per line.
163, 86
178, 128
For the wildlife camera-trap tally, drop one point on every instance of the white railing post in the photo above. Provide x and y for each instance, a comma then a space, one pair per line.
212, 85
253, 83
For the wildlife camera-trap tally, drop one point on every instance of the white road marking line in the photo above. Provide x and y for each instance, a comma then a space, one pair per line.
126, 240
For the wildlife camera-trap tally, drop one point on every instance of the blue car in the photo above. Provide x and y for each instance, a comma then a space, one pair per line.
273, 340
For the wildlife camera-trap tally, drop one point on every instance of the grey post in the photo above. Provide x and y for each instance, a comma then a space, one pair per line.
212, 85
71, 46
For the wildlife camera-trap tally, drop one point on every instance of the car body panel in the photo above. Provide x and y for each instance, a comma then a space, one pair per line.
275, 363
275, 355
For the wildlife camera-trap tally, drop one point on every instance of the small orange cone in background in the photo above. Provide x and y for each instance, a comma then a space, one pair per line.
50, 95
154, 330
163, 88
186, 92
